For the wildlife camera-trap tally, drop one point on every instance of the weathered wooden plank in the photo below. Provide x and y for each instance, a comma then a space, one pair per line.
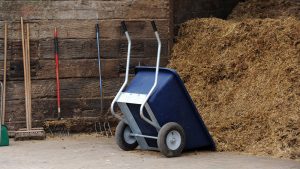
1, 70
79, 68
114, 48
15, 50
142, 62
142, 48
69, 48
85, 49
1, 48
15, 69
47, 108
78, 29
45, 69
12, 10
14, 30
150, 49
70, 88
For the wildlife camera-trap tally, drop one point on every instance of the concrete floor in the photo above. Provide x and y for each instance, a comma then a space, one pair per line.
92, 152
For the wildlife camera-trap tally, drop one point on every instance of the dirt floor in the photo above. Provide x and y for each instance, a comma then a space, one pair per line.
92, 151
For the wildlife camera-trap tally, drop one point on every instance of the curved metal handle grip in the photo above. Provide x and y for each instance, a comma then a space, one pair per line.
97, 28
155, 80
154, 26
124, 27
127, 72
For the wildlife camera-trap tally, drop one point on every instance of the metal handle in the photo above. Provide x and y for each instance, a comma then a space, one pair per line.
127, 71
154, 26
124, 27
99, 65
155, 80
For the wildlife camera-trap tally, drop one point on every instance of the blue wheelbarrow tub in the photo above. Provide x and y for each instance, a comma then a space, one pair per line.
170, 102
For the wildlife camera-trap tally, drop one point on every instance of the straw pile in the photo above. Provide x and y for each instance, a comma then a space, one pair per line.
266, 9
244, 77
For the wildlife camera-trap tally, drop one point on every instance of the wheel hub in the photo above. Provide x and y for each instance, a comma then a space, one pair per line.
127, 137
173, 140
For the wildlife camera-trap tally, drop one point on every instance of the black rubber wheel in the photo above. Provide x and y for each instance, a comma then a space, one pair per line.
123, 139
171, 139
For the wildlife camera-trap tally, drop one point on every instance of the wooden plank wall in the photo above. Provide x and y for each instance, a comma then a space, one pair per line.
75, 21
188, 9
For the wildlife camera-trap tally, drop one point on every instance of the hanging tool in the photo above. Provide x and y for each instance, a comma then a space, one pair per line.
28, 133
57, 73
4, 139
104, 128
99, 66
58, 126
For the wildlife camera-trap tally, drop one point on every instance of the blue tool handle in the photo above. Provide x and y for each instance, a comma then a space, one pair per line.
154, 26
99, 65
124, 27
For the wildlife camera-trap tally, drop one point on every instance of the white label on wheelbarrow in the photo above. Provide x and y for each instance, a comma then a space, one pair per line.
132, 98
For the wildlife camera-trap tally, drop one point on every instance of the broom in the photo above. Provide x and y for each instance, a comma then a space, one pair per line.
28, 133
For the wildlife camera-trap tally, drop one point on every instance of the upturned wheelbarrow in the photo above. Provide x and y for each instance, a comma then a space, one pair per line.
158, 112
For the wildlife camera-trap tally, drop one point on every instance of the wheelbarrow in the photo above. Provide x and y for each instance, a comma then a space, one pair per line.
157, 112
4, 139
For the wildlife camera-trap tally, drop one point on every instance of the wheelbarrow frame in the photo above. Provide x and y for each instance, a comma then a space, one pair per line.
170, 137
122, 98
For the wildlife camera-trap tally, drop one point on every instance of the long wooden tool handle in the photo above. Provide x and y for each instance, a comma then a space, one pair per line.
29, 78
4, 74
25, 74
